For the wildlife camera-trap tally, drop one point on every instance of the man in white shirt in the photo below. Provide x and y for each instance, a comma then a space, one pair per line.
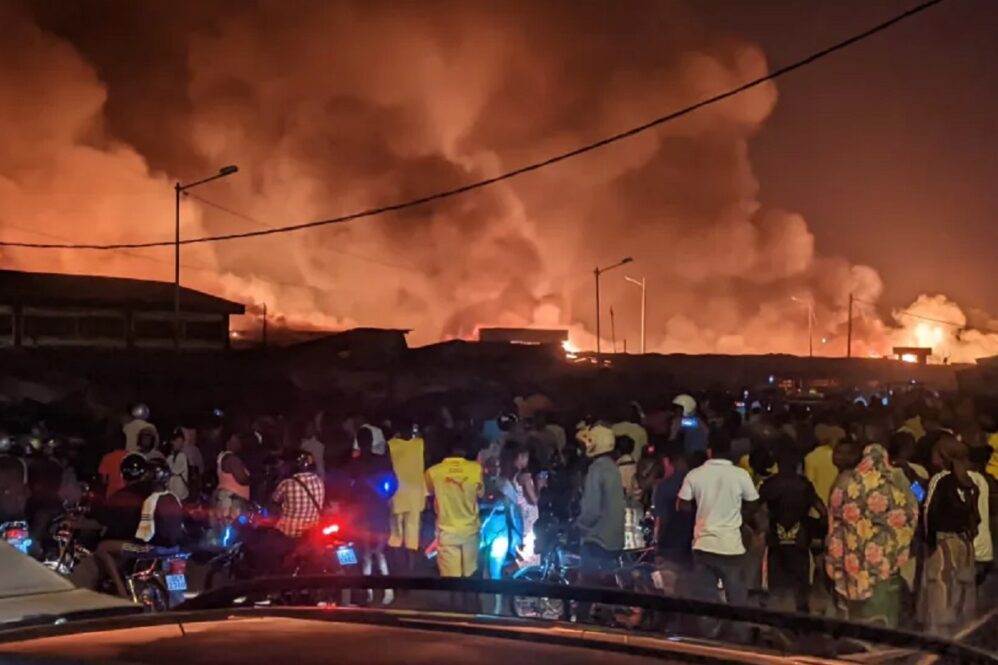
721, 492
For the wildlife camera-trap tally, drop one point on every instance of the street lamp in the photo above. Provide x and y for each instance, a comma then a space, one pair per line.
810, 323
597, 272
178, 188
644, 305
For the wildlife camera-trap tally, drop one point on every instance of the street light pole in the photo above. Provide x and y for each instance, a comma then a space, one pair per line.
597, 272
178, 188
644, 306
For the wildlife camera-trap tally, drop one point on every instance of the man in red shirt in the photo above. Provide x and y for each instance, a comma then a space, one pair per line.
110, 468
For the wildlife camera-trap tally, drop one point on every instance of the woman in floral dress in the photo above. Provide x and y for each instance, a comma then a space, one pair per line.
872, 520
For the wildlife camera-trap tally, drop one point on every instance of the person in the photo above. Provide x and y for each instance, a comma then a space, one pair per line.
137, 422
176, 460
299, 497
629, 425
407, 451
947, 596
148, 440
195, 460
373, 483
901, 451
456, 484
233, 492
790, 497
819, 467
528, 500
121, 517
601, 511
627, 466
543, 441
310, 443
984, 552
687, 426
45, 483
502, 528
872, 521
13, 484
673, 528
722, 492
109, 469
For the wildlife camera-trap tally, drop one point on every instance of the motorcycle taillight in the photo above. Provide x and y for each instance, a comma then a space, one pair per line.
15, 534
177, 566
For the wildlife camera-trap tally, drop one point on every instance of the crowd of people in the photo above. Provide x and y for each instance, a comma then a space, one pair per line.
874, 508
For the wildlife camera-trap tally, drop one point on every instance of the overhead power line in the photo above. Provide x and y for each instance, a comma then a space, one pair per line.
535, 166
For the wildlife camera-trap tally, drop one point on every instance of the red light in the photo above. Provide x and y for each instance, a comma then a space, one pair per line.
15, 534
178, 566
331, 529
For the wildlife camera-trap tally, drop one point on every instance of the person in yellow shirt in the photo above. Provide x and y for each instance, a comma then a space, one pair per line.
818, 465
456, 485
407, 451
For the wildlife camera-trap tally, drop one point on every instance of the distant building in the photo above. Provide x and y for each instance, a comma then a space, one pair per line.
64, 311
522, 336
913, 354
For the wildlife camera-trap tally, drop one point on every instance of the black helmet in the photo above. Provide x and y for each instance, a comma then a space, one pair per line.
303, 462
159, 470
133, 468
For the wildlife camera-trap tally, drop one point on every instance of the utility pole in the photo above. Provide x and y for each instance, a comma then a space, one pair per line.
597, 271
644, 306
263, 335
613, 331
849, 330
810, 329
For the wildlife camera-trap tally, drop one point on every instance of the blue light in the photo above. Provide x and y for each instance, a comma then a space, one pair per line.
242, 519
24, 545
226, 536
499, 548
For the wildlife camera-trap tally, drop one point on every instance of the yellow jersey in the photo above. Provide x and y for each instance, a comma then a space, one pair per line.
408, 462
456, 484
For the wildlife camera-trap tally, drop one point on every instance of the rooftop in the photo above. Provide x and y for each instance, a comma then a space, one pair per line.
53, 289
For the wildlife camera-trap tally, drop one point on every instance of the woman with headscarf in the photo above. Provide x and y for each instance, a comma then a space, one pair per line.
872, 519
947, 597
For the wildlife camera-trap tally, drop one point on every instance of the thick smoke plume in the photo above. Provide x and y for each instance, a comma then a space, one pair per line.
331, 107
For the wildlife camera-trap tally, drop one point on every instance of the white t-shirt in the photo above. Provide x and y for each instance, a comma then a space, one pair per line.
983, 548
719, 488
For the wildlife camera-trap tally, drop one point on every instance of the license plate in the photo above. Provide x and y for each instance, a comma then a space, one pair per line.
346, 556
176, 582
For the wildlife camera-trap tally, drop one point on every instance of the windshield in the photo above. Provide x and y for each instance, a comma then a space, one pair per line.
665, 317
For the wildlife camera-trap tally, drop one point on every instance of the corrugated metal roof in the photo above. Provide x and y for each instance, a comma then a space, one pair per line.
53, 289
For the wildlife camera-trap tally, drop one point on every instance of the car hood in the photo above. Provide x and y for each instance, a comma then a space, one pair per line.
30, 592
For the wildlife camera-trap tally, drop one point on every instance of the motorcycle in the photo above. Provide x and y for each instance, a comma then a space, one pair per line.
16, 535
157, 579
66, 550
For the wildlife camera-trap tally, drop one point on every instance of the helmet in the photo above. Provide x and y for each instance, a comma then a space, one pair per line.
159, 470
599, 440
303, 462
688, 403
506, 421
140, 411
133, 468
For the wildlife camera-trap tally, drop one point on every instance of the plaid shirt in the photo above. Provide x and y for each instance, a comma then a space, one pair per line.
299, 512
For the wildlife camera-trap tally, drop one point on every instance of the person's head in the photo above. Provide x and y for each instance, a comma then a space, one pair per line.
235, 443
159, 472
901, 447
598, 440
624, 446
300, 461
828, 434
686, 403
787, 456
403, 427
674, 461
540, 420
874, 430
847, 455
146, 440
177, 440
133, 468
513, 458
950, 454
719, 445
365, 441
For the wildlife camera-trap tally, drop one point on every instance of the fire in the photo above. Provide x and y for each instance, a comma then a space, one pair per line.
571, 350
909, 358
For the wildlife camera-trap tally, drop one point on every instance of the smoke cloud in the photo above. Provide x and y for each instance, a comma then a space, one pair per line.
337, 106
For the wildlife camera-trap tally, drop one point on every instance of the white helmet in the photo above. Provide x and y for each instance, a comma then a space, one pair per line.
599, 440
688, 403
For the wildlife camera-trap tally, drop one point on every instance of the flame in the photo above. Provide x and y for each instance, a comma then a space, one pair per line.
571, 350
909, 358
